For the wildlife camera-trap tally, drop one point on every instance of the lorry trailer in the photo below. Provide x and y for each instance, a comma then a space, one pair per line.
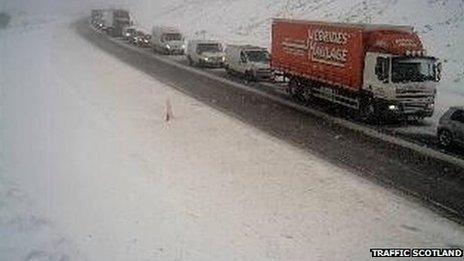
377, 70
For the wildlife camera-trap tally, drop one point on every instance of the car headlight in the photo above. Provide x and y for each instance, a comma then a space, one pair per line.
183, 46
393, 107
127, 34
206, 58
168, 46
223, 58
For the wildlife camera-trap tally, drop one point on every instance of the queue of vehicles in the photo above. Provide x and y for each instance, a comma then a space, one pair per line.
376, 71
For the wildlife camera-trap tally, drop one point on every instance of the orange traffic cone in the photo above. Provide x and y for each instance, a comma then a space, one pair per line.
169, 114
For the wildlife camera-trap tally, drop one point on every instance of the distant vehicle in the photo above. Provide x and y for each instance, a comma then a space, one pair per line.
136, 37
451, 127
167, 40
377, 70
250, 61
128, 32
205, 53
114, 20
141, 39
145, 41
95, 17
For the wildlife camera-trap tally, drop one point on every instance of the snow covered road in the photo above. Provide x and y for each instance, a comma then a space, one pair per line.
91, 171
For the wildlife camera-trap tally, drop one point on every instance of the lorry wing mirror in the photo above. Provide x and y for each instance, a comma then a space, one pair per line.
242, 58
382, 69
438, 71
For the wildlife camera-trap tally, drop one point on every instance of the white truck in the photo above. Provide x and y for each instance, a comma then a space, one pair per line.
113, 21
251, 61
167, 40
205, 53
106, 20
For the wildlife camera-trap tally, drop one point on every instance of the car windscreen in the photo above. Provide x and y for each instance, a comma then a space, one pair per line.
172, 37
209, 47
258, 56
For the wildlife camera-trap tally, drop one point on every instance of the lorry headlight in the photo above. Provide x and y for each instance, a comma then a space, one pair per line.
393, 107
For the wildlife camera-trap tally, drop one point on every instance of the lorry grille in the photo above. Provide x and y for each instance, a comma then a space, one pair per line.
415, 96
416, 107
415, 101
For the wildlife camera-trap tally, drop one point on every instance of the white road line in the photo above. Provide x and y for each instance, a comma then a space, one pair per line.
341, 122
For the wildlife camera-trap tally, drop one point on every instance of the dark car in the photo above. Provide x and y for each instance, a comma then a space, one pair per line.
451, 127
145, 41
136, 37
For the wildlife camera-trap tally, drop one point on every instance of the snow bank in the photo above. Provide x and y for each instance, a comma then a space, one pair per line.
92, 171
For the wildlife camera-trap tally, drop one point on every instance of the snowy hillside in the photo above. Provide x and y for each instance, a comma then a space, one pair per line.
439, 22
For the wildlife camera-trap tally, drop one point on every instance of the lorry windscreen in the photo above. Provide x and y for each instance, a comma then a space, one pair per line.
413, 69
172, 37
258, 56
210, 47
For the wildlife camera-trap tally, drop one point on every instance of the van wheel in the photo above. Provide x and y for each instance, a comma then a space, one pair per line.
367, 112
445, 139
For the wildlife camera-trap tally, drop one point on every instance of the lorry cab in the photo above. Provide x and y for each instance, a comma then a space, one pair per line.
205, 53
167, 40
251, 61
398, 73
402, 84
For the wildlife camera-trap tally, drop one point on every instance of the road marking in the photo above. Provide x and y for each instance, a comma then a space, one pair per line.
371, 132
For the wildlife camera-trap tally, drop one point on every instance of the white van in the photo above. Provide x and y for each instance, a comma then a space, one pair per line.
251, 61
205, 53
167, 40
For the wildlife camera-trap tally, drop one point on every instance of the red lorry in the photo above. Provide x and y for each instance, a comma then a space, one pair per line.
378, 70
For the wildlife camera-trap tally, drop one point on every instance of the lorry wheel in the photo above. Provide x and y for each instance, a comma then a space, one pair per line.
367, 113
291, 87
445, 138
295, 89
249, 76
